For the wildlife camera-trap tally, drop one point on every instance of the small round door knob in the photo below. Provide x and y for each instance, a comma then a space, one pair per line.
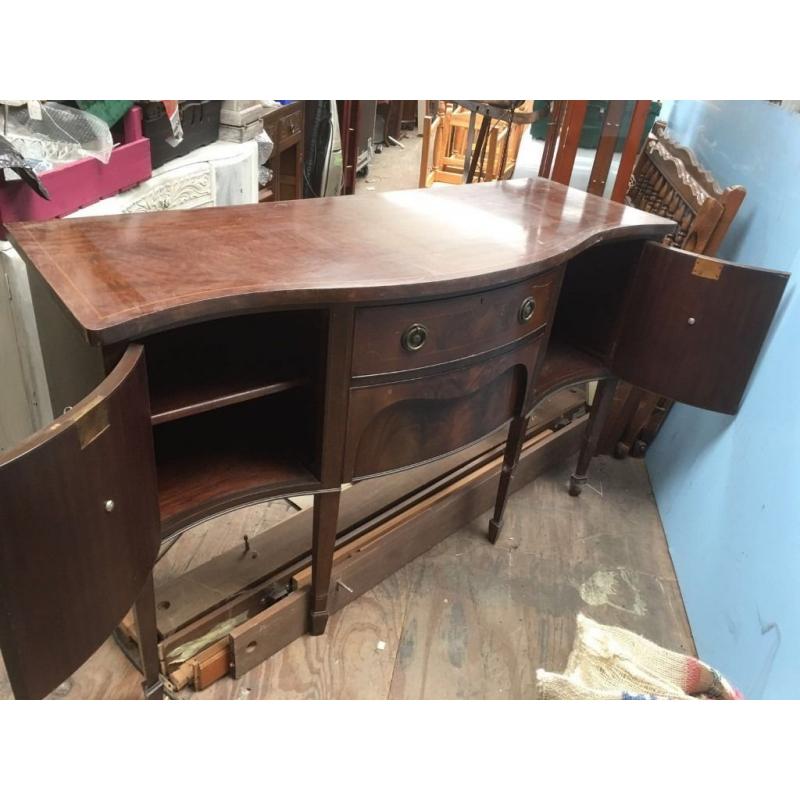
691, 320
109, 506
414, 337
526, 309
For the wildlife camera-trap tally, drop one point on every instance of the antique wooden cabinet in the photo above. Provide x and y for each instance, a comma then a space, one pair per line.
266, 351
285, 126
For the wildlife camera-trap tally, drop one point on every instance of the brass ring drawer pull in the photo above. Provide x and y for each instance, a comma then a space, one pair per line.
414, 337
526, 309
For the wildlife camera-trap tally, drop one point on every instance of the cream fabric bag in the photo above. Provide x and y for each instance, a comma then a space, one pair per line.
608, 663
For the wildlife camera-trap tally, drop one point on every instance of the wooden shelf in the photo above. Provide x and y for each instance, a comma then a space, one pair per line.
182, 400
564, 366
200, 368
209, 462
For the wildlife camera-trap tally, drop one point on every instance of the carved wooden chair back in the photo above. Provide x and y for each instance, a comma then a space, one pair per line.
668, 180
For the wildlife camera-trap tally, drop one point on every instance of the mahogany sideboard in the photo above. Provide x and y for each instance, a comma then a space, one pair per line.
274, 350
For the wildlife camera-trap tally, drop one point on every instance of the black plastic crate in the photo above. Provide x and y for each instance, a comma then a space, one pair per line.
200, 121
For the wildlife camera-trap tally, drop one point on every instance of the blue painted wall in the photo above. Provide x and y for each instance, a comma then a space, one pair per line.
728, 489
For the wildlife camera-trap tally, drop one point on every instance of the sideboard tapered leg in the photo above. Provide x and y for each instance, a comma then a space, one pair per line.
603, 399
147, 639
326, 516
516, 436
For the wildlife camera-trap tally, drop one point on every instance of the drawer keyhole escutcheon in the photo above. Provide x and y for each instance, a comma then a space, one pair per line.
526, 309
414, 337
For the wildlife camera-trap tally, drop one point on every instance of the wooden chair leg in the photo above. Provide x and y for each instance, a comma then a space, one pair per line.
326, 517
603, 399
147, 638
623, 418
516, 436
645, 406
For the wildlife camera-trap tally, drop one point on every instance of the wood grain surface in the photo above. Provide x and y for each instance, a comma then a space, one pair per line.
125, 276
79, 529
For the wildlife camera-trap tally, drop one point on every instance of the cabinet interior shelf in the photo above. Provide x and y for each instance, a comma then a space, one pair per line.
170, 404
231, 455
565, 365
231, 404
208, 366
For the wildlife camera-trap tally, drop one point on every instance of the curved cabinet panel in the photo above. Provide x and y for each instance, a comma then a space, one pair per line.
79, 530
694, 326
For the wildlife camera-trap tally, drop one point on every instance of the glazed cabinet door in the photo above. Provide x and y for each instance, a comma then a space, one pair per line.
79, 530
693, 326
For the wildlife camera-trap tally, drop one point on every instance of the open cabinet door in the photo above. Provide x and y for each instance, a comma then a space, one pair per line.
694, 326
79, 530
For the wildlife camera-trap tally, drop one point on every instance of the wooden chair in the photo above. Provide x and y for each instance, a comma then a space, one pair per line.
669, 181
448, 137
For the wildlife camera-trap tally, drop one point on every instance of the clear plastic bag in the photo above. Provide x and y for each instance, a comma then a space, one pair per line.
264, 175
63, 134
264, 147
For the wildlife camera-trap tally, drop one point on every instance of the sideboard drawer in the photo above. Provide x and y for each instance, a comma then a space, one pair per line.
405, 337
407, 422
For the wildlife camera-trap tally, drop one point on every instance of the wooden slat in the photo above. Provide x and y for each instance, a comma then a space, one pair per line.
427, 146
553, 131
631, 149
491, 157
448, 177
568, 141
211, 665
268, 632
605, 149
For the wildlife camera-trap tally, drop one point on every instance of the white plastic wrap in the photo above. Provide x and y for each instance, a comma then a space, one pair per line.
265, 146
50, 134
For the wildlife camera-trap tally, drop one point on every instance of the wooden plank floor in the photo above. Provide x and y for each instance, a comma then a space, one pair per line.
465, 620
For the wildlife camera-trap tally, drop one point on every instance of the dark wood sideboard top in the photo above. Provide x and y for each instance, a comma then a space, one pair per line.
126, 276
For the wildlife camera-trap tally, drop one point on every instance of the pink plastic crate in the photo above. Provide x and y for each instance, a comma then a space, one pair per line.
80, 183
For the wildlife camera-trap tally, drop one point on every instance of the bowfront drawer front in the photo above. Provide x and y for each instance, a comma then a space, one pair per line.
407, 422
413, 335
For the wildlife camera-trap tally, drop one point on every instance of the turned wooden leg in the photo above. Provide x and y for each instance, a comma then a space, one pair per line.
326, 517
630, 440
603, 399
516, 436
147, 637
